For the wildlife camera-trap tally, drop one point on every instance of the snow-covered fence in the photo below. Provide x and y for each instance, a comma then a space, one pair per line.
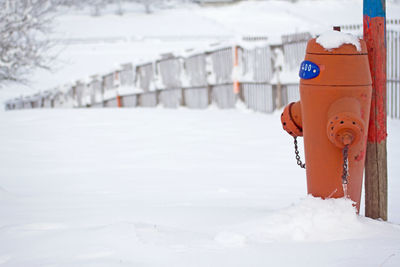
220, 66
196, 71
148, 99
37, 101
220, 69
256, 64
170, 98
196, 90
223, 96
393, 73
96, 96
47, 98
259, 96
59, 98
27, 102
126, 87
8, 105
78, 92
208, 77
126, 75
195, 81
144, 80
255, 73
16, 103
292, 92
110, 83
169, 80
170, 71
69, 98
294, 49
145, 76
129, 101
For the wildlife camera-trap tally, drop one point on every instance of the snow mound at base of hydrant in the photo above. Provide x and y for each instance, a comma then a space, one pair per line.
315, 220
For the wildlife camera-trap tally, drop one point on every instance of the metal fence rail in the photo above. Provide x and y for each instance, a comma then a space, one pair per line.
130, 101
196, 98
292, 93
126, 75
259, 97
222, 96
294, 49
196, 72
221, 62
144, 76
257, 71
196, 91
148, 99
170, 98
170, 71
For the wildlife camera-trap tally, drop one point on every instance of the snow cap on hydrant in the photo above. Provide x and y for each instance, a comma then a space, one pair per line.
332, 114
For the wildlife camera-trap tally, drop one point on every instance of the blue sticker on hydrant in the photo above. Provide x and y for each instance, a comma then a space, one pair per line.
308, 70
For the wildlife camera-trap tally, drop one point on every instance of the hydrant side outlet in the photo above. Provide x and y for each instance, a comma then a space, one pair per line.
291, 119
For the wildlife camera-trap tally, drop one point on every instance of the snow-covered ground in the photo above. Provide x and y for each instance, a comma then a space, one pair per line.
90, 45
159, 187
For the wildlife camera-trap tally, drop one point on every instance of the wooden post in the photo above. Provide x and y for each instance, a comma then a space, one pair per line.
376, 158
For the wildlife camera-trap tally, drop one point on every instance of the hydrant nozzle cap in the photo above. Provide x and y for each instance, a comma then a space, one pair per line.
347, 138
291, 119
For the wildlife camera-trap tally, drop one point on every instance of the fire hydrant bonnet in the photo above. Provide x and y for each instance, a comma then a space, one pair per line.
343, 66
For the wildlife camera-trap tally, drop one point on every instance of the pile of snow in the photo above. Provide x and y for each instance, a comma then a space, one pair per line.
334, 39
160, 187
310, 220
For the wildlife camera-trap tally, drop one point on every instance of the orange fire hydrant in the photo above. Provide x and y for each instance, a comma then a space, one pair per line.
332, 116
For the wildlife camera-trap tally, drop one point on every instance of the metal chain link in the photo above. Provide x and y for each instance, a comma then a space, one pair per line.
296, 151
345, 173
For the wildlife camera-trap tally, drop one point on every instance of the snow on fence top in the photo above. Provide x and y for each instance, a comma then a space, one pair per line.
334, 39
295, 38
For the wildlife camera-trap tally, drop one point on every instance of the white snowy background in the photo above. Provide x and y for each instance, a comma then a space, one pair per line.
159, 187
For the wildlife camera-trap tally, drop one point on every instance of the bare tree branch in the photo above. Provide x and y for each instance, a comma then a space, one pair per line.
24, 25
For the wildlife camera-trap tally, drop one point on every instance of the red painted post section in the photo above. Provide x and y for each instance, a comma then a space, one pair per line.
376, 160
374, 35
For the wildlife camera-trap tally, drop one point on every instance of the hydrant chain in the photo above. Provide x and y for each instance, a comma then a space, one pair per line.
345, 173
296, 151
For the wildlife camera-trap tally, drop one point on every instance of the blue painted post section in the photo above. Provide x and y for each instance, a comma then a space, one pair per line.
374, 18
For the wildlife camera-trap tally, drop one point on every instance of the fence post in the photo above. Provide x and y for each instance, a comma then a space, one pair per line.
376, 156
236, 86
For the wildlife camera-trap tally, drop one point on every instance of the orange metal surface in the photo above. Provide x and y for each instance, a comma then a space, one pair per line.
334, 112
291, 119
119, 102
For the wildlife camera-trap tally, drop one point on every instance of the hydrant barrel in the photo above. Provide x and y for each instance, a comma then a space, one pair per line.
335, 97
